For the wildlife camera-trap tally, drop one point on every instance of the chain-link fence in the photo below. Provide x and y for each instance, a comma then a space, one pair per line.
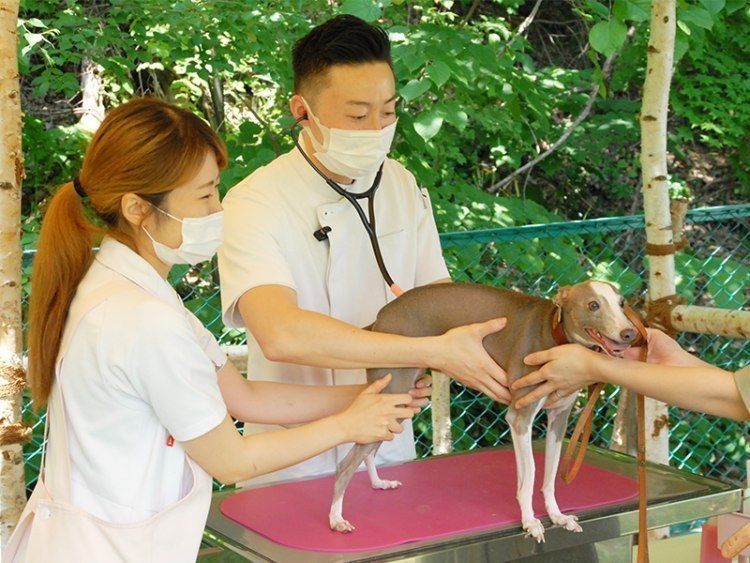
538, 259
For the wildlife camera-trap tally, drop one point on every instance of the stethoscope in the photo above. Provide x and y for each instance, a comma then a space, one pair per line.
369, 225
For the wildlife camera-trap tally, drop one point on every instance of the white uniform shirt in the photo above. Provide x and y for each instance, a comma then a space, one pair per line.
139, 369
270, 218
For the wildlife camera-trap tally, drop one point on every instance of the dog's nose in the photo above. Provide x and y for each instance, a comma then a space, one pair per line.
628, 335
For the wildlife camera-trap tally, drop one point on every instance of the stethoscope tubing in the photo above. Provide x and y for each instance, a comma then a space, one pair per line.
369, 225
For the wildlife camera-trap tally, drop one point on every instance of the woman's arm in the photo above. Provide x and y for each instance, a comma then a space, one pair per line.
231, 457
671, 375
267, 402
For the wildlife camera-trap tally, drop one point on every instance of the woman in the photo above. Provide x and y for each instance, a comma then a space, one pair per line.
671, 375
148, 394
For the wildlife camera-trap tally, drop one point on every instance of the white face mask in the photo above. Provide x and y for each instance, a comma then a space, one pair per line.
351, 153
201, 238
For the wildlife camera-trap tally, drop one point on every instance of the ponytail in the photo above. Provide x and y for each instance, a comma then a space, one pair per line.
145, 146
63, 256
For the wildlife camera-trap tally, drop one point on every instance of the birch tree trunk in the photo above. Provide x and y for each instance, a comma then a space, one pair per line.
92, 106
442, 441
12, 376
654, 112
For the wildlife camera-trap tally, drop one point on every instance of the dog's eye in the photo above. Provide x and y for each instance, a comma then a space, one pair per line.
622, 303
593, 306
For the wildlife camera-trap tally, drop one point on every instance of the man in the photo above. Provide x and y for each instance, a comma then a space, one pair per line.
297, 268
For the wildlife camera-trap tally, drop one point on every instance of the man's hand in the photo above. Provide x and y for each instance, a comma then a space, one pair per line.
461, 356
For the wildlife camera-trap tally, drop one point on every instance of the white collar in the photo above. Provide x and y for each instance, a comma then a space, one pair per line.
359, 185
121, 259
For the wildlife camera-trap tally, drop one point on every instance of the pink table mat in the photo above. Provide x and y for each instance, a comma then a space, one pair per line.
440, 496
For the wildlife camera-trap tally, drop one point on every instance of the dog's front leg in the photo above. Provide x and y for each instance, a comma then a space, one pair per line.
520, 427
557, 418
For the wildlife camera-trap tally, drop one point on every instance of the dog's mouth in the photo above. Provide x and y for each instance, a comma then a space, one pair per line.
606, 344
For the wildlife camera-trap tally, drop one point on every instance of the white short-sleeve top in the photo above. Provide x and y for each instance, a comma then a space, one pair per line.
270, 218
138, 378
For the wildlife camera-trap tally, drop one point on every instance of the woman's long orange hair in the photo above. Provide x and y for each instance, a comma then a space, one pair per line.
145, 146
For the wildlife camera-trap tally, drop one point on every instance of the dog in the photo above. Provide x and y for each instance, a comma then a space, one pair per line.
591, 313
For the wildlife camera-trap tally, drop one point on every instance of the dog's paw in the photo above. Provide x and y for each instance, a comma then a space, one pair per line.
340, 525
535, 529
384, 484
570, 522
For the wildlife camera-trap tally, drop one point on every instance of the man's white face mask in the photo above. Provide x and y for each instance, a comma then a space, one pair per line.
201, 238
350, 153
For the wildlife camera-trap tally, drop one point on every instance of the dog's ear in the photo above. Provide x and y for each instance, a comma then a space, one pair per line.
561, 296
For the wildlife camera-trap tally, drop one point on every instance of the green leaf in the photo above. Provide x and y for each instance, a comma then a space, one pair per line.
413, 89
681, 45
34, 22
607, 37
696, 15
714, 6
439, 73
454, 114
368, 10
428, 124
598, 9
633, 10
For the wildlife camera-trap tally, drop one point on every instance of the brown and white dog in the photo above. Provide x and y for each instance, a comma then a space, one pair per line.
591, 313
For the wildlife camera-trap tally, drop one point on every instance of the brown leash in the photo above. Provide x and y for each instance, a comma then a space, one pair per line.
576, 448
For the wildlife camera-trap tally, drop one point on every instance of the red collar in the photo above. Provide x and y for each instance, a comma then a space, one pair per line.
557, 329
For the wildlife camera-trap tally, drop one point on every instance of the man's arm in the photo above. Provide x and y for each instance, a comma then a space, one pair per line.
287, 333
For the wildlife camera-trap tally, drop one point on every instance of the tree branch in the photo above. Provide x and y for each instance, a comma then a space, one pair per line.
521, 28
470, 13
606, 70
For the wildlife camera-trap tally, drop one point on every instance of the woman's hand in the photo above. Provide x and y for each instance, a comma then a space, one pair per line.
565, 369
373, 417
460, 355
421, 393
664, 350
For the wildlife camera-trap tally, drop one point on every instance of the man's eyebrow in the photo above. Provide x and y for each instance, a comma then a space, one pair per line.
367, 104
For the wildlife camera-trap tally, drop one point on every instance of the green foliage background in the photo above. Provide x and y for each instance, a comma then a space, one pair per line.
477, 100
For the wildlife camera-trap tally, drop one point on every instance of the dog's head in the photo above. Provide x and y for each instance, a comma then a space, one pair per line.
593, 314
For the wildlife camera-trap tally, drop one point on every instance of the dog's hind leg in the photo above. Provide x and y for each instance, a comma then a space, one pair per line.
520, 428
372, 471
344, 473
557, 419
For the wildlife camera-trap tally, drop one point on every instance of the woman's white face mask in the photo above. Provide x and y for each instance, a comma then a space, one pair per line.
201, 238
351, 153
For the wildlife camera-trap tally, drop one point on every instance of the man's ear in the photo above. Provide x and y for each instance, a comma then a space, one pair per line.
298, 109
134, 209
561, 296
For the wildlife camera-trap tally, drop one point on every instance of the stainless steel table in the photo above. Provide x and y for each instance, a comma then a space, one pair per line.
608, 532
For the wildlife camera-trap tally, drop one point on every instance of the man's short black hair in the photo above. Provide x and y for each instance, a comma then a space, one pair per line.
343, 40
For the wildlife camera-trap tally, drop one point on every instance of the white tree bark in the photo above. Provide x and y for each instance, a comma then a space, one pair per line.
442, 441
12, 377
654, 112
708, 320
92, 106
656, 187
